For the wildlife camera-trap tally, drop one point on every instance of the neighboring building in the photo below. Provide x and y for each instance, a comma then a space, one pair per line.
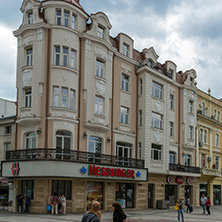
92, 109
209, 134
7, 108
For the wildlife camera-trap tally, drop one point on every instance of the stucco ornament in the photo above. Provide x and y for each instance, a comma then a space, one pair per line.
157, 137
100, 87
158, 106
191, 120
28, 6
101, 53
28, 40
27, 77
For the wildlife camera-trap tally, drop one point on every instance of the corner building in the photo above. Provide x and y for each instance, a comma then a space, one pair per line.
94, 115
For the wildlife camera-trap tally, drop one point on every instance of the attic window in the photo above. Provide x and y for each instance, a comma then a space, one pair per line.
170, 73
30, 18
191, 81
125, 49
101, 32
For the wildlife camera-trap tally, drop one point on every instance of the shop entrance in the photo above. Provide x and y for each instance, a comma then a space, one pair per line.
125, 194
150, 195
188, 193
203, 189
171, 194
217, 194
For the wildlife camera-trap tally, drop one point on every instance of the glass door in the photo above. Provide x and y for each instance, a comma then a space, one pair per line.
150, 195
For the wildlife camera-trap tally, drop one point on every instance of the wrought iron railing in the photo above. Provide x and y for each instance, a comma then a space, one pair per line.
72, 155
183, 168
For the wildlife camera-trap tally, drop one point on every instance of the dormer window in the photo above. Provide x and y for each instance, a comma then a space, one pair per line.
125, 49
30, 18
101, 32
191, 81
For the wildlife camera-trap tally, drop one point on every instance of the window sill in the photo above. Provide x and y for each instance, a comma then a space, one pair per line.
99, 116
100, 78
125, 124
157, 161
63, 108
157, 129
161, 100
127, 92
24, 108
65, 67
26, 67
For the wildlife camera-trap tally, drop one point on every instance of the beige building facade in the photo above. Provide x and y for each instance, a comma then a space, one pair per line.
94, 115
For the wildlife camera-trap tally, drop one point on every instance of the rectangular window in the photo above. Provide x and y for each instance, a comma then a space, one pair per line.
203, 158
140, 118
64, 97
99, 68
172, 157
190, 106
201, 135
56, 96
101, 32
125, 82
73, 59
156, 120
58, 17
65, 56
72, 99
66, 19
7, 146
27, 187
30, 18
157, 90
124, 115
99, 105
57, 55
156, 152
190, 132
216, 140
216, 162
140, 86
28, 97
171, 101
8, 129
218, 116
205, 136
125, 49
73, 21
171, 129
187, 160
29, 57
139, 150
64, 187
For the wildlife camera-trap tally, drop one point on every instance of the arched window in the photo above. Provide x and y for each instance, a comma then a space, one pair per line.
63, 139
123, 152
95, 144
30, 140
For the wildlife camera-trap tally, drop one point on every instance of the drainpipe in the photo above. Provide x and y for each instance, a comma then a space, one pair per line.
179, 127
112, 151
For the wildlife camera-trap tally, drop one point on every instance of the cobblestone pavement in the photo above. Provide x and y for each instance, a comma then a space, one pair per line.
133, 216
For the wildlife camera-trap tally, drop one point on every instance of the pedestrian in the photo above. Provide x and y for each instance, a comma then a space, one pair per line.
188, 204
92, 215
203, 201
19, 199
180, 210
118, 213
49, 207
208, 204
60, 204
63, 203
55, 203
27, 203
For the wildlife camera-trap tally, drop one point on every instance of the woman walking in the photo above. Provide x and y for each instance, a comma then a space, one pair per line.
180, 210
118, 213
63, 202
208, 204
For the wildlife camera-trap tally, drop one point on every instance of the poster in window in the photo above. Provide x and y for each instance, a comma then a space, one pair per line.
94, 192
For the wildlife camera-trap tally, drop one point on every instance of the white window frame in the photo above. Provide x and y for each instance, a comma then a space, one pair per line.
28, 97
73, 59
190, 132
72, 94
66, 18
64, 97
74, 21
60, 134
216, 139
171, 128
29, 55
65, 56
139, 150
57, 55
124, 115
58, 17
125, 82
187, 160
100, 68
205, 136
190, 106
30, 18
172, 155
30, 140
171, 101
123, 152
157, 120
140, 117
157, 150
125, 49
101, 32
99, 105
141, 86
157, 90
201, 135
203, 108
55, 96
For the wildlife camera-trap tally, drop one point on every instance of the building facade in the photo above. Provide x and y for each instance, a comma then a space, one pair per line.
209, 146
95, 115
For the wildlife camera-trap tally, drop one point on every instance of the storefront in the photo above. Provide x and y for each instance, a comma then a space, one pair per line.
80, 182
4, 194
217, 194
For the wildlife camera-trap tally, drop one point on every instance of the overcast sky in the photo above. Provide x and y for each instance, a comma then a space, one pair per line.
187, 32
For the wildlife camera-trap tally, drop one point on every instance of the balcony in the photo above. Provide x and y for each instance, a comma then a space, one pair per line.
73, 156
183, 168
211, 172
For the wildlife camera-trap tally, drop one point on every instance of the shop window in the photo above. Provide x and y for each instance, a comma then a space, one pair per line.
27, 187
63, 187
217, 194
125, 194
123, 153
94, 192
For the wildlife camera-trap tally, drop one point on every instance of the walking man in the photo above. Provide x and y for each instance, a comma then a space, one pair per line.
203, 201
93, 214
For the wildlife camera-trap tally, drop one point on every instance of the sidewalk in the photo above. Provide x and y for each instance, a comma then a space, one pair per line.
149, 215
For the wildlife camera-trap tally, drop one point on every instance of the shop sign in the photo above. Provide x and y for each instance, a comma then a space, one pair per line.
188, 180
179, 180
169, 179
15, 169
94, 170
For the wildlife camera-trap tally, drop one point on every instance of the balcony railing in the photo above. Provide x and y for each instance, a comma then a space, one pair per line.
183, 168
72, 155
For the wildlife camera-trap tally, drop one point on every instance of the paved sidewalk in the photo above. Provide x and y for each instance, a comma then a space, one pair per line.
133, 216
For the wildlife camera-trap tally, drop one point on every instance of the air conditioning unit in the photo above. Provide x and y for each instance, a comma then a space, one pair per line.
201, 143
209, 159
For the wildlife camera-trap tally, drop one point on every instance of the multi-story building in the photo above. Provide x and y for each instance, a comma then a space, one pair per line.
92, 110
209, 134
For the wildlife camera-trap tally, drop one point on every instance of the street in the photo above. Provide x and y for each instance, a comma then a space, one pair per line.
132, 215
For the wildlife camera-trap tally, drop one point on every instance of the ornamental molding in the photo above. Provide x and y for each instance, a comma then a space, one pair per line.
29, 40
191, 120
28, 6
157, 106
100, 87
27, 77
157, 136
101, 54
